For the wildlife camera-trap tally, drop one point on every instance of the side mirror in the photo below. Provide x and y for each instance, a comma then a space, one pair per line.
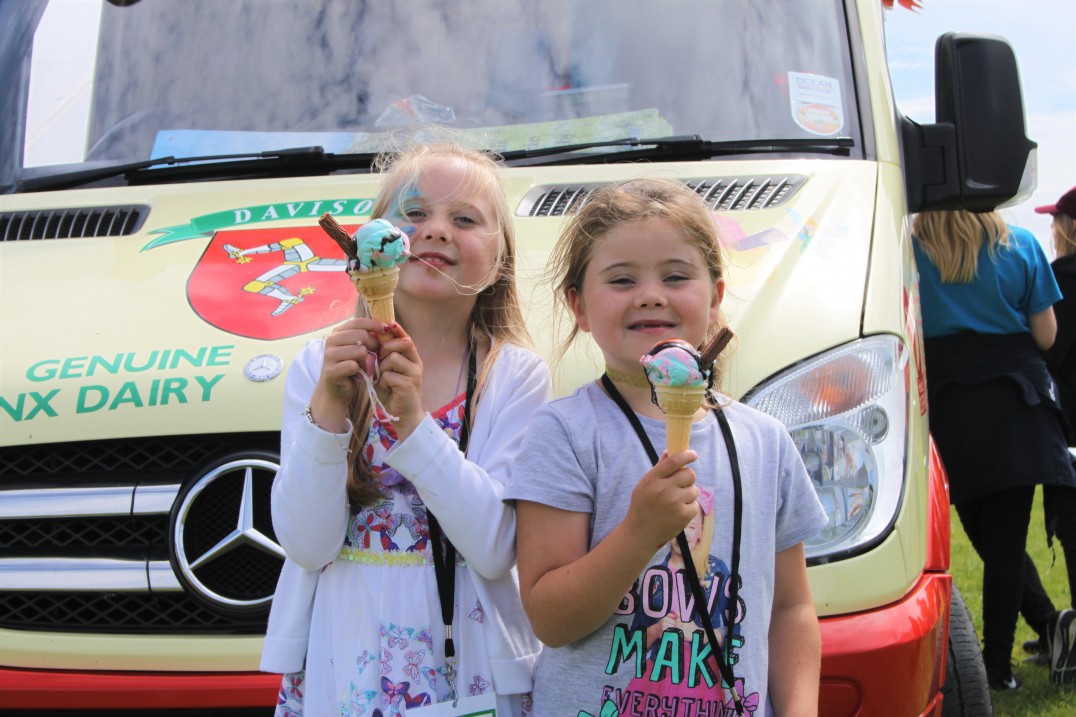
977, 155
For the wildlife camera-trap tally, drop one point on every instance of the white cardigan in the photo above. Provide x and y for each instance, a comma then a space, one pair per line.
311, 513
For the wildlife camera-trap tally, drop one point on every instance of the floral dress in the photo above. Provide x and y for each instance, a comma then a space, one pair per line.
376, 639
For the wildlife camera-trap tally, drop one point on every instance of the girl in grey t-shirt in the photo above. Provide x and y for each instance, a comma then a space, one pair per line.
602, 584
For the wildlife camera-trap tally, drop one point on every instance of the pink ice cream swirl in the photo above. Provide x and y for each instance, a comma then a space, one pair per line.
674, 363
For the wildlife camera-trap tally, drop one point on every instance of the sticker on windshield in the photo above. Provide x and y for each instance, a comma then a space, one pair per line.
816, 103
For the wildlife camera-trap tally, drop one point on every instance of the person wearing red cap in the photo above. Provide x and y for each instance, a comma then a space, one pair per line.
1061, 357
1057, 629
1065, 207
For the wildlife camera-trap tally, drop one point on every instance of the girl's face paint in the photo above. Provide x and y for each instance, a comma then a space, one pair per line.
454, 238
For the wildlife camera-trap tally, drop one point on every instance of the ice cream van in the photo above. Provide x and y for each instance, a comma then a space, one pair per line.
163, 166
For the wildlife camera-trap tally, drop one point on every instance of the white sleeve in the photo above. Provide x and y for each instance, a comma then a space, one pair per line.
466, 494
309, 500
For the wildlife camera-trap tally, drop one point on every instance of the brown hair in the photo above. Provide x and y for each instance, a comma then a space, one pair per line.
637, 200
952, 240
496, 319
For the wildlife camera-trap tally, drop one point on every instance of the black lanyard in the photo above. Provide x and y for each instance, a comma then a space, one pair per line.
444, 553
689, 564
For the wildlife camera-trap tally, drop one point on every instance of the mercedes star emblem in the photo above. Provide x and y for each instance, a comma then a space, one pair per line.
263, 367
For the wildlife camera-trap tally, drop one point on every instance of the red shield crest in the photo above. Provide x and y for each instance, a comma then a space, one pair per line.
272, 283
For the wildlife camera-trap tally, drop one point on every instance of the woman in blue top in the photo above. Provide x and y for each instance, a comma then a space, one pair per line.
987, 295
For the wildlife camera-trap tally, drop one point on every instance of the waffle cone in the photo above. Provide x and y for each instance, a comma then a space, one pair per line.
377, 287
679, 403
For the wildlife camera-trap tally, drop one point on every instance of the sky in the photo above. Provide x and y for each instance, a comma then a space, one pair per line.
1043, 36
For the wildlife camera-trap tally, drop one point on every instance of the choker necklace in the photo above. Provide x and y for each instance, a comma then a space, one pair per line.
635, 380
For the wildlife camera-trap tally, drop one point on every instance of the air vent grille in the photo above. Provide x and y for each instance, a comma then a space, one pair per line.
74, 223
723, 194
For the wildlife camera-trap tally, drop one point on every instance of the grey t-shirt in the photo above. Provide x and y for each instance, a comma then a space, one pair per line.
582, 455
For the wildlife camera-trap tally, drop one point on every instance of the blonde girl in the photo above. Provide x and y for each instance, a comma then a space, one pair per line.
638, 264
371, 468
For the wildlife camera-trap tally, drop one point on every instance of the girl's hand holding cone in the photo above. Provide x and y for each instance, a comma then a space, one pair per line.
663, 502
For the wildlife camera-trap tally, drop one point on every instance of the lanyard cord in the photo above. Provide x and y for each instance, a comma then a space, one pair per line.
689, 564
444, 553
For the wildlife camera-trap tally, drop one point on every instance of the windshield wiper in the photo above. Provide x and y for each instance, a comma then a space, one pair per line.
676, 147
566, 148
288, 161
315, 160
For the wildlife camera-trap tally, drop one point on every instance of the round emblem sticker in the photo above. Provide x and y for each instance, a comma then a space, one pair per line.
263, 367
820, 119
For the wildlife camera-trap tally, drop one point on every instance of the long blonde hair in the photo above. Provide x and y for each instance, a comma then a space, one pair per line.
497, 318
952, 239
637, 200
1063, 230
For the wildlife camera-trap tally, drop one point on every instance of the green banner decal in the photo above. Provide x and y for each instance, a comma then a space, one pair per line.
206, 224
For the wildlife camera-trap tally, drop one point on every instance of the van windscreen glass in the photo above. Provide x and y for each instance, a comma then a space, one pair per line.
123, 82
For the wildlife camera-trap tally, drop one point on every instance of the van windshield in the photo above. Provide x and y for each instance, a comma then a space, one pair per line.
122, 81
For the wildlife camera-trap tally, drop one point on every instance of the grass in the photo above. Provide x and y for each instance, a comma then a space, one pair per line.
1037, 697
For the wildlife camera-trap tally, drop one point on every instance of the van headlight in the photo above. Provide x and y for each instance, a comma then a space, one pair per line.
847, 412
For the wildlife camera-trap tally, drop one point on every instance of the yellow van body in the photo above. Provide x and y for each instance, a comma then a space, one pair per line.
147, 327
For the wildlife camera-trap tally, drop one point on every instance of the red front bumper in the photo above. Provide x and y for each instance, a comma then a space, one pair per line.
888, 661
39, 689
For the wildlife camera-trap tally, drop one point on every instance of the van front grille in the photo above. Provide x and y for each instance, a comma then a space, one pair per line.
116, 612
34, 464
86, 535
26, 535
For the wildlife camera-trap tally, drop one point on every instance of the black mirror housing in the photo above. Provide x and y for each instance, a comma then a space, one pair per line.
976, 155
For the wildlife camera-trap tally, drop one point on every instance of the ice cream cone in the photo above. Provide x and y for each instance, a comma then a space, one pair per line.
377, 287
679, 404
